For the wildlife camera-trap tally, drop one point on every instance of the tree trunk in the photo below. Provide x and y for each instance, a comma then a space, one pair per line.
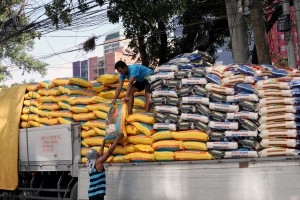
163, 43
238, 34
259, 30
143, 52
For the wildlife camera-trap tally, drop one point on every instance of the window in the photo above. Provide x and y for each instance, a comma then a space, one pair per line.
283, 48
101, 71
282, 36
95, 71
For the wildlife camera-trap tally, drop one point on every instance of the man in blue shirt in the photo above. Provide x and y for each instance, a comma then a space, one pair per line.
138, 76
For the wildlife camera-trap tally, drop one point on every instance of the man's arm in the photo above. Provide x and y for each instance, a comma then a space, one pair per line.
102, 148
118, 91
106, 155
129, 87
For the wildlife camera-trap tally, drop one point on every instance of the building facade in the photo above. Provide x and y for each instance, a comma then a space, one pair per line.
115, 48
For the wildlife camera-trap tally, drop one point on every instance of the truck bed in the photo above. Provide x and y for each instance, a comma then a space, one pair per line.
233, 179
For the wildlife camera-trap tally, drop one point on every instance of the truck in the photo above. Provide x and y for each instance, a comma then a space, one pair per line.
49, 167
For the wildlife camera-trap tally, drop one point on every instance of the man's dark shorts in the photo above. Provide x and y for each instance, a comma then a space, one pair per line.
97, 197
145, 85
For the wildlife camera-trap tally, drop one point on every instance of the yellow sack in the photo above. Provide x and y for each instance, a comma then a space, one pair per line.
99, 131
64, 105
62, 120
144, 128
139, 102
88, 134
31, 117
82, 100
33, 87
100, 114
125, 149
139, 139
60, 98
34, 109
80, 82
79, 109
140, 156
98, 88
162, 135
108, 78
84, 160
61, 81
32, 95
83, 143
190, 135
95, 124
34, 124
75, 90
102, 100
146, 118
46, 99
46, 84
32, 102
43, 92
54, 92
192, 155
44, 113
85, 150
47, 121
84, 116
131, 130
25, 110
143, 148
25, 124
116, 124
111, 94
60, 113
164, 156
94, 141
99, 106
48, 106
195, 146
167, 145
119, 159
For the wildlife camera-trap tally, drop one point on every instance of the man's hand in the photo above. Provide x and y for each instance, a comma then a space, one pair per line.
120, 137
126, 99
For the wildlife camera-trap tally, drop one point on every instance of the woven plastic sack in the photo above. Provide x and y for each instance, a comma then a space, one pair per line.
115, 122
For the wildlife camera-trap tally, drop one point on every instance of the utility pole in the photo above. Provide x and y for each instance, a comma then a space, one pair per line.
238, 31
259, 30
289, 37
297, 18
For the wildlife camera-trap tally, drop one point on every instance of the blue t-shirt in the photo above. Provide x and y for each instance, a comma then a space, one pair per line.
139, 71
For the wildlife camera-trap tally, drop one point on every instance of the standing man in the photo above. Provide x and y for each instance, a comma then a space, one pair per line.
138, 76
95, 166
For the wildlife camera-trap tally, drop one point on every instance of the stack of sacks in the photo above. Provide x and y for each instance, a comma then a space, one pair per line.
278, 108
65, 101
233, 117
137, 147
30, 114
180, 103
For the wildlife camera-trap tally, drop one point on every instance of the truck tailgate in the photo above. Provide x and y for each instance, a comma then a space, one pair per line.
46, 148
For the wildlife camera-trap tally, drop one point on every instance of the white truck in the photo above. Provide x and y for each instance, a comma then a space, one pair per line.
50, 168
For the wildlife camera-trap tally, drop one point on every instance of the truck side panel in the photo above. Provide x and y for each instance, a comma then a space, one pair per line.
238, 180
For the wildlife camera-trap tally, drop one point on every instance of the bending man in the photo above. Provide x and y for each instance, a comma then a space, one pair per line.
138, 76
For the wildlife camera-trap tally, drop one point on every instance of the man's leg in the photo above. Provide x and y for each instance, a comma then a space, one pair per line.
148, 101
131, 100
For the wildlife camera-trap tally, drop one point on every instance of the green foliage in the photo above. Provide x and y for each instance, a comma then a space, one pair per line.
13, 52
